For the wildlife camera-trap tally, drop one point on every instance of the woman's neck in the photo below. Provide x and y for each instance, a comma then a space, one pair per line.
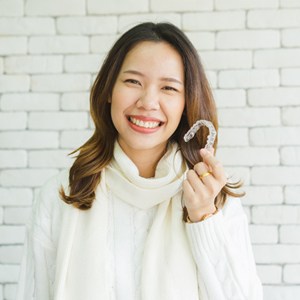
146, 160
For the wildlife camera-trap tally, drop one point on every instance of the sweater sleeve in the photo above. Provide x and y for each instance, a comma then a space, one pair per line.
38, 262
223, 254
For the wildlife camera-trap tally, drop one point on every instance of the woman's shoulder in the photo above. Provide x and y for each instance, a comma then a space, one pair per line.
48, 198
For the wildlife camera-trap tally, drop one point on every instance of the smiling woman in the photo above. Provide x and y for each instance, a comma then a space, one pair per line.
147, 102
141, 214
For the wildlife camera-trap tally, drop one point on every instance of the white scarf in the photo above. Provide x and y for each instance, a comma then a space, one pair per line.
168, 269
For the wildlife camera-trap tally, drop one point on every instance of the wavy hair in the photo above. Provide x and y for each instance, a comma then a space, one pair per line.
97, 152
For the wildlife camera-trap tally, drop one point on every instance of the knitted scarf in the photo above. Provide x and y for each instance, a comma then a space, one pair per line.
168, 269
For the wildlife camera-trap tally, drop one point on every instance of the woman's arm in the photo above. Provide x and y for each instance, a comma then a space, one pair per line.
38, 262
222, 251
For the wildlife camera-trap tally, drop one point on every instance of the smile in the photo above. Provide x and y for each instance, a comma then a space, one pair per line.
144, 124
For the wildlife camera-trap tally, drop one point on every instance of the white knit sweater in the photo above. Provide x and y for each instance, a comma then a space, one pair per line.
220, 245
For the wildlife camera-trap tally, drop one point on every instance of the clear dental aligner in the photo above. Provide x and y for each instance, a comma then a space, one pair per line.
210, 138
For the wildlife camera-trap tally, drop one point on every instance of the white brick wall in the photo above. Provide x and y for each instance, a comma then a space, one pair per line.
51, 50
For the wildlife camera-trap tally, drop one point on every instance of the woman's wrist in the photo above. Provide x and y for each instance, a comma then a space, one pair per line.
194, 217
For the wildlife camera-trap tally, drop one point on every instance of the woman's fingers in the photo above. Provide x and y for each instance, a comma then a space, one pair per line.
204, 182
214, 165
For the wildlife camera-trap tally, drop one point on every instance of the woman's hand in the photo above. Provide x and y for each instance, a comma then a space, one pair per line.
202, 185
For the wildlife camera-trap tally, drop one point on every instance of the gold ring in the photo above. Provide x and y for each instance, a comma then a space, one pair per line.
204, 175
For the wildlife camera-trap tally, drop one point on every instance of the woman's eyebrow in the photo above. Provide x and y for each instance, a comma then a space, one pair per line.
169, 79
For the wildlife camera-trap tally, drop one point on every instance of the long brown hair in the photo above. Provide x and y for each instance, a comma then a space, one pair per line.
97, 152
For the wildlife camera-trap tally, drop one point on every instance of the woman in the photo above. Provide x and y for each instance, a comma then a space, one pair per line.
144, 215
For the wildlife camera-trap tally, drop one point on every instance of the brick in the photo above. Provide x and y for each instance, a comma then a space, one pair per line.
11, 8
274, 18
235, 174
60, 83
220, 60
102, 43
230, 98
289, 3
212, 78
248, 39
30, 102
289, 234
50, 159
291, 273
248, 78
14, 83
248, 156
249, 117
83, 63
287, 292
75, 101
33, 64
202, 40
27, 26
1, 65
28, 140
279, 254
13, 159
276, 175
292, 194
58, 120
116, 7
91, 123
16, 197
9, 273
245, 4
257, 195
290, 115
263, 234
12, 234
13, 120
16, 215
276, 136
274, 96
269, 274
181, 6
13, 45
26, 178
291, 37
74, 139
59, 44
126, 21
212, 21
55, 7
279, 58
290, 77
87, 25
10, 291
233, 137
276, 214
10, 254
1, 219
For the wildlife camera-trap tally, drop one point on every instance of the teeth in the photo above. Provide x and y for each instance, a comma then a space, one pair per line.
144, 124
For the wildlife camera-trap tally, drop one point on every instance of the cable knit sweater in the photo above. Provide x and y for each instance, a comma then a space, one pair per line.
220, 246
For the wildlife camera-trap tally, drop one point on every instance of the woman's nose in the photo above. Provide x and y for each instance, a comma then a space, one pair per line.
149, 100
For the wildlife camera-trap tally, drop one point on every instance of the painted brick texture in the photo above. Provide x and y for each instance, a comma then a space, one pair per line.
50, 52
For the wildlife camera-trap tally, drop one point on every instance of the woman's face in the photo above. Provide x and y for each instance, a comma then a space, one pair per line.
148, 97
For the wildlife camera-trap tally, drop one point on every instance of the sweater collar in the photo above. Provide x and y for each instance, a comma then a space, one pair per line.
122, 178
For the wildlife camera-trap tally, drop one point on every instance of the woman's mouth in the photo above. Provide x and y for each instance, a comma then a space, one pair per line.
144, 123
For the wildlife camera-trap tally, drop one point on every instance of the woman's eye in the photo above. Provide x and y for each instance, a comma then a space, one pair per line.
170, 88
133, 81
